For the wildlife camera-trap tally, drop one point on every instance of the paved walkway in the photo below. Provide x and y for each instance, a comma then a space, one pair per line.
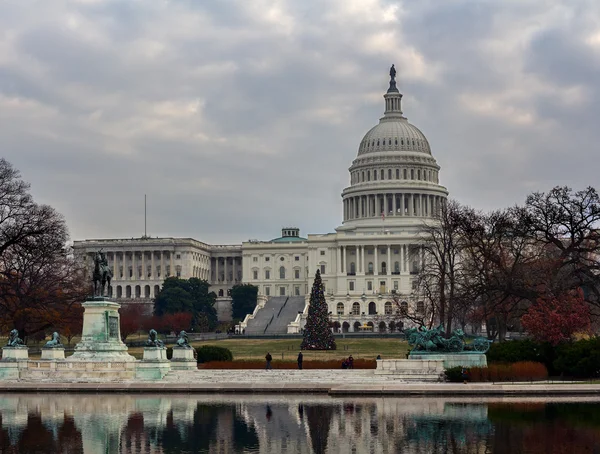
334, 382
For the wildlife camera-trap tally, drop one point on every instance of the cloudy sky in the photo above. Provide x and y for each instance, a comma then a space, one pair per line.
237, 117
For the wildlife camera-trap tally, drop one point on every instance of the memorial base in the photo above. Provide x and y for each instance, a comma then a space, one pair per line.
462, 359
101, 335
14, 360
183, 359
155, 364
53, 353
412, 369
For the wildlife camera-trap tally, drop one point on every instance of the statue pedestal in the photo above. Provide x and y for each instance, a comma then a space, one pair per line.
183, 359
14, 359
15, 353
462, 359
53, 353
411, 369
101, 336
155, 364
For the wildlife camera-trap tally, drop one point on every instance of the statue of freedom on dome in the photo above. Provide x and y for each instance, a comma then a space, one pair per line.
392, 74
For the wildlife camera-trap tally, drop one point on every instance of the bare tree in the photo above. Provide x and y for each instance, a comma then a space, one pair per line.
39, 279
441, 283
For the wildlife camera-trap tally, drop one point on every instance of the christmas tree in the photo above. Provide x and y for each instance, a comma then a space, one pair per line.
317, 334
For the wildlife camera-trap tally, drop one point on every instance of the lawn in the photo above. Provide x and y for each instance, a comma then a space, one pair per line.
287, 349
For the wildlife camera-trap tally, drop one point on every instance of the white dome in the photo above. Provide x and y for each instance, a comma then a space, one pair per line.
394, 134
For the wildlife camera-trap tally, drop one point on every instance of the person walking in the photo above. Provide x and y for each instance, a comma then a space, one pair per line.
350, 362
300, 358
269, 358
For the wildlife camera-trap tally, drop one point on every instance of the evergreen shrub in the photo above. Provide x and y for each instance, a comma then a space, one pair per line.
580, 359
208, 353
454, 374
522, 350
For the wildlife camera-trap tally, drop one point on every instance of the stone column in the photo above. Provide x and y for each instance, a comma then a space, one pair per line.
133, 270
389, 259
411, 205
339, 260
405, 257
368, 206
143, 276
394, 203
115, 276
162, 265
225, 270
172, 264
376, 262
152, 267
401, 258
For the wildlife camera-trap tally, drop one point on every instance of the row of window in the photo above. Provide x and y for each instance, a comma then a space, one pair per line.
268, 259
405, 174
282, 290
389, 308
282, 273
371, 144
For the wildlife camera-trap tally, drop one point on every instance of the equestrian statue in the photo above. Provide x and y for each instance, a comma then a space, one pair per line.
102, 273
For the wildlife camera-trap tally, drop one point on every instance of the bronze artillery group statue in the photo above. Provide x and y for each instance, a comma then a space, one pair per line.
102, 274
433, 340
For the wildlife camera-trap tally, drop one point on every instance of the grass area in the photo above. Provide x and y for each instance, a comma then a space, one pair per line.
287, 349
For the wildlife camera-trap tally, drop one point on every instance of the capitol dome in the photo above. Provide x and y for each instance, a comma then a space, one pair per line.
394, 134
394, 180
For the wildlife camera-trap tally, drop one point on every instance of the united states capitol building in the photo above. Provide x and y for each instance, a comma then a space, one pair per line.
371, 259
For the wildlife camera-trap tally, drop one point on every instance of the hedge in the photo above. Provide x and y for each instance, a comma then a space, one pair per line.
208, 353
580, 359
519, 371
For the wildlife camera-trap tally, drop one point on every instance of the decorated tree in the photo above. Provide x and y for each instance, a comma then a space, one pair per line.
317, 334
555, 320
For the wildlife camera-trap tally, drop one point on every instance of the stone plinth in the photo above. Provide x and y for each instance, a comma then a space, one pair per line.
53, 353
15, 353
155, 364
183, 359
411, 369
462, 359
101, 335
14, 359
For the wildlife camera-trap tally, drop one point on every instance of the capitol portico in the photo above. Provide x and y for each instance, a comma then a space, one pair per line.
371, 259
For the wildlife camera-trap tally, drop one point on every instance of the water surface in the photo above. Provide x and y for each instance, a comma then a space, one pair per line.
81, 423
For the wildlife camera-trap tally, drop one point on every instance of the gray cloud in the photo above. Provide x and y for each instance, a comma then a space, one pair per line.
237, 118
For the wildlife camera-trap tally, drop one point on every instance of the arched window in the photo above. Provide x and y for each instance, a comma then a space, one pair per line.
392, 326
374, 175
128, 291
363, 176
382, 174
119, 291
282, 272
383, 268
356, 327
420, 307
356, 309
156, 290
370, 268
382, 327
138, 291
412, 174
372, 308
368, 175
404, 307
147, 291
340, 308
345, 327
397, 174
397, 267
388, 308
389, 174
352, 268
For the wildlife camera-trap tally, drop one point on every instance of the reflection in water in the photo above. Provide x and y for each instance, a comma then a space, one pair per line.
294, 424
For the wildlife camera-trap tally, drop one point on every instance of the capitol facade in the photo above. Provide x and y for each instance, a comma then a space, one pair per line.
368, 265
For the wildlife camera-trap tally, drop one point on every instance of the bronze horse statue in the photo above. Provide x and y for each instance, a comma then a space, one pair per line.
102, 274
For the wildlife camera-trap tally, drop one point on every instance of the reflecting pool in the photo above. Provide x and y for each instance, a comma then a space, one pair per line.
82, 423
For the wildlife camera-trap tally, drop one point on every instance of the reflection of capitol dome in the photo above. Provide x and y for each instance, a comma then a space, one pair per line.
394, 175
